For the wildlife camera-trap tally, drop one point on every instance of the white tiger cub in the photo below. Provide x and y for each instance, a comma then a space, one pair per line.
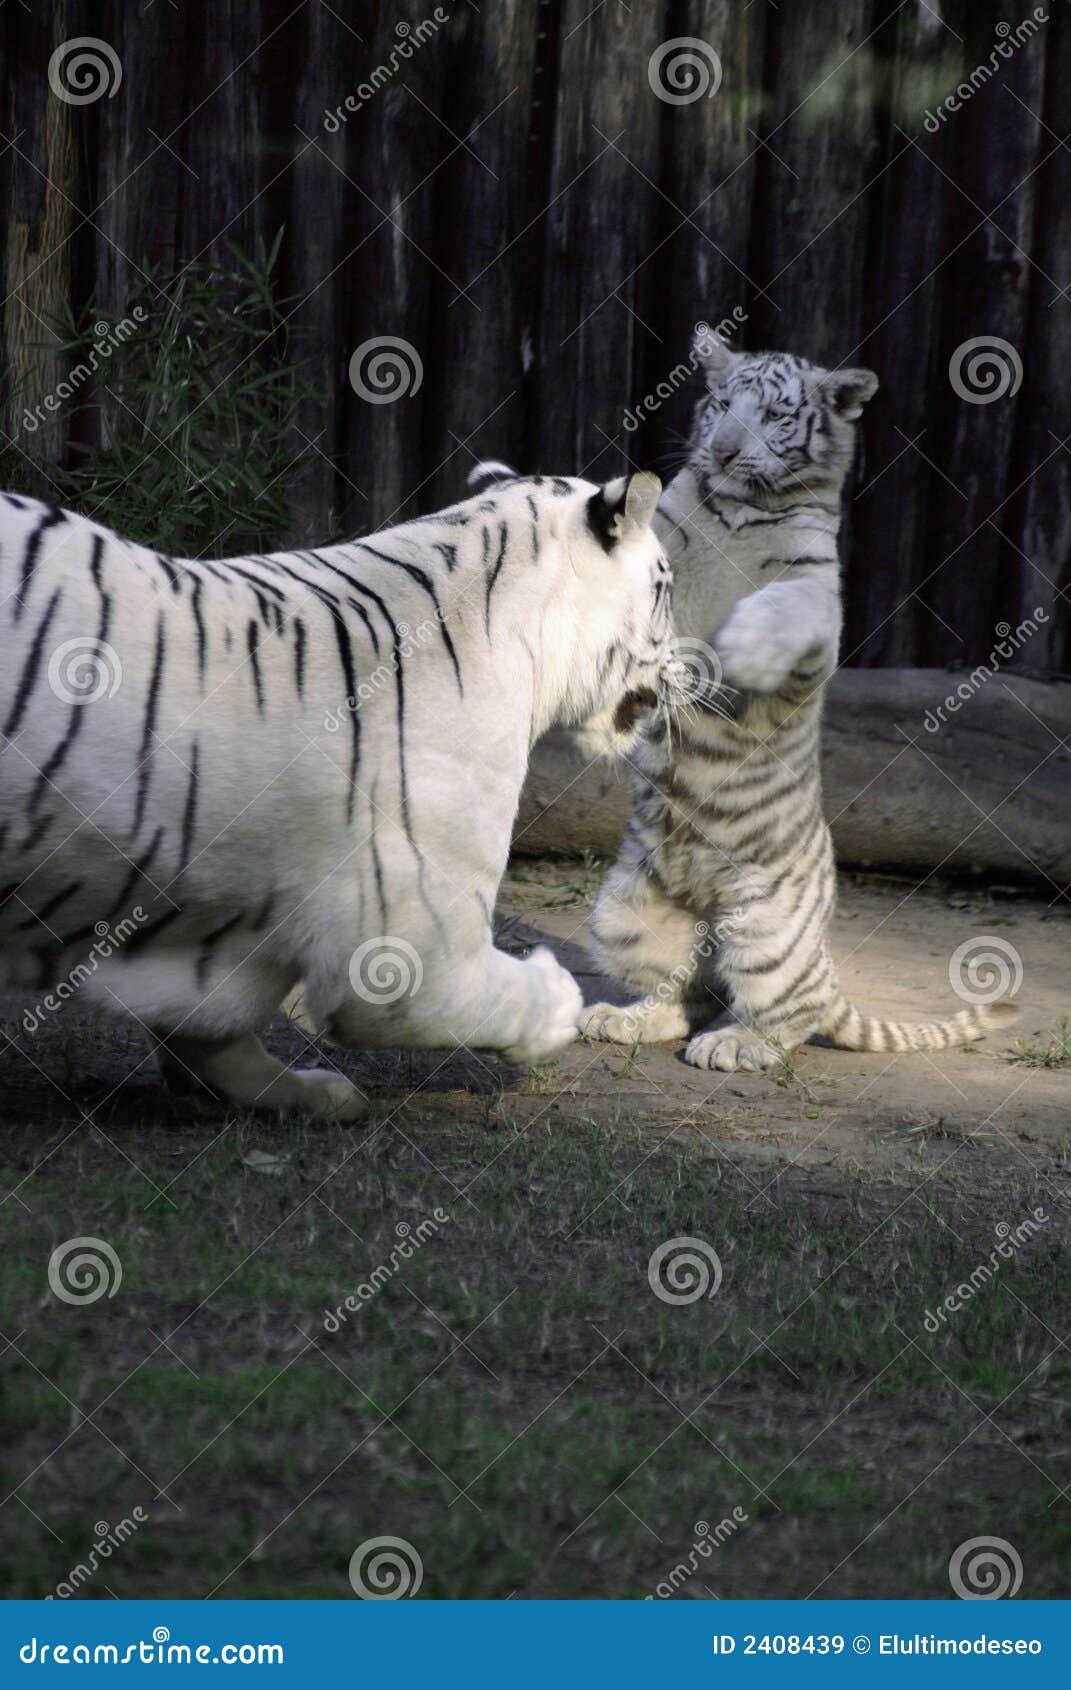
167, 773
724, 885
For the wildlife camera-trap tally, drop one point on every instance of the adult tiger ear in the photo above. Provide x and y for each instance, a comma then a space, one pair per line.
847, 391
628, 502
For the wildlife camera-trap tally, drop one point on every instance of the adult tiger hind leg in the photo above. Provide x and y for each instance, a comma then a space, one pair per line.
651, 941
241, 1072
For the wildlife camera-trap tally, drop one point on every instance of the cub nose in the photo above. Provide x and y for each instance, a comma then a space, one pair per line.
725, 454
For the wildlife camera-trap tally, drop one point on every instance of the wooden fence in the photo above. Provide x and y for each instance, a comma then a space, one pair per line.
502, 187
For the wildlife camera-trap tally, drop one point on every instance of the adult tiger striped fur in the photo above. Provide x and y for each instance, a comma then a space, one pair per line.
206, 790
724, 885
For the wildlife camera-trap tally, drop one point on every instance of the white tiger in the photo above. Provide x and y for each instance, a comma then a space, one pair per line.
725, 882
168, 772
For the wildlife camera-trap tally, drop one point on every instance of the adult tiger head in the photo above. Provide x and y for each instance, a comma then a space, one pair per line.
604, 635
772, 427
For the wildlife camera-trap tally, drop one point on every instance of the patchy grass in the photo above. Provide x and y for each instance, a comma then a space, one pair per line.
1054, 1052
512, 1399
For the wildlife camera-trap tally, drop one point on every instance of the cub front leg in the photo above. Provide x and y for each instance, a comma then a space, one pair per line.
782, 632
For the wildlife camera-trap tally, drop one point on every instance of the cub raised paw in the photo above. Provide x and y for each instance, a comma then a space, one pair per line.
553, 1010
732, 1051
759, 645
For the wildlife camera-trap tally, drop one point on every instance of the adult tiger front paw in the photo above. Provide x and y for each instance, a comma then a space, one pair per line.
553, 1010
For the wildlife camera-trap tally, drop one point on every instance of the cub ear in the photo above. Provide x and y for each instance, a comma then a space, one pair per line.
627, 502
712, 355
847, 391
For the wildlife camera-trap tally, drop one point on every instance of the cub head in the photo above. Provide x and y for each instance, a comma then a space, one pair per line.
771, 425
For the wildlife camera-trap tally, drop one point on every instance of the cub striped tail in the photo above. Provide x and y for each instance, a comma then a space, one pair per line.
849, 1029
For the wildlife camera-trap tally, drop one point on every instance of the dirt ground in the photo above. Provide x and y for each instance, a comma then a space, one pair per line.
845, 1113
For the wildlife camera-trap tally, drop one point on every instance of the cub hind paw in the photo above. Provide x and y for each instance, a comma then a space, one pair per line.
732, 1053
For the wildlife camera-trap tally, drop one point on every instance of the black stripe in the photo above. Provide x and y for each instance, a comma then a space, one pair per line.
253, 642
145, 935
299, 656
208, 944
423, 580
170, 571
503, 538
30, 668
78, 709
31, 555
345, 657
189, 816
136, 873
53, 904
146, 750
202, 638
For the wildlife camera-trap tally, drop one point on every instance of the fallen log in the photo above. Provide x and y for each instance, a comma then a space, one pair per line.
923, 769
